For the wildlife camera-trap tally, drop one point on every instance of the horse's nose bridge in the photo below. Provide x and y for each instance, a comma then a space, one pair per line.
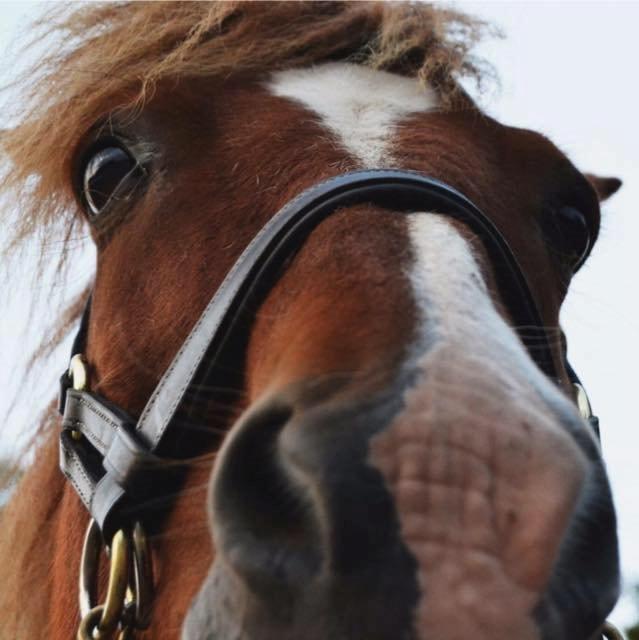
342, 304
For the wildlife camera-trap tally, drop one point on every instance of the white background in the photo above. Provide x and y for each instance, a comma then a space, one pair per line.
567, 69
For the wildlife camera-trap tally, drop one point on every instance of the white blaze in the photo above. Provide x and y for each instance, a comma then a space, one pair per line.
362, 107
450, 291
456, 307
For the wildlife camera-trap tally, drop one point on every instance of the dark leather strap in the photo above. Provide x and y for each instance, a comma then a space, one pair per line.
116, 458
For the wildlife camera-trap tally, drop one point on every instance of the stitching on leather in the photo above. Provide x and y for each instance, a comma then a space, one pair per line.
110, 421
74, 423
73, 459
191, 370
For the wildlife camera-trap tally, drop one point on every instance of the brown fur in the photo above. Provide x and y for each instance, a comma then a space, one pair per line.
126, 61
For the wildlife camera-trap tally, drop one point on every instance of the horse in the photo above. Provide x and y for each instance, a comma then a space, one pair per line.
379, 435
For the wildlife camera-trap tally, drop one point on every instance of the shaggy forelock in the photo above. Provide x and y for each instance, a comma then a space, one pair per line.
110, 57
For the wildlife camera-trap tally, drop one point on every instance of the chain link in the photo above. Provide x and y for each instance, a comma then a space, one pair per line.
127, 604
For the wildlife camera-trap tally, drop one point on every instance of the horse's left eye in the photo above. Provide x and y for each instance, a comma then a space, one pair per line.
106, 176
569, 233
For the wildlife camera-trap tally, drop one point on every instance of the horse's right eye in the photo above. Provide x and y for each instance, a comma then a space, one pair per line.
569, 233
108, 174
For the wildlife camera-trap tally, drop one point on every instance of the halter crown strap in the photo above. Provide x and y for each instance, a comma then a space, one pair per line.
112, 459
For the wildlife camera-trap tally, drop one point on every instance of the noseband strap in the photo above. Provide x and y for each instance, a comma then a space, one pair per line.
116, 463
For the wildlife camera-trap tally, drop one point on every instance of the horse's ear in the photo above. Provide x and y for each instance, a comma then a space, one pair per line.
605, 187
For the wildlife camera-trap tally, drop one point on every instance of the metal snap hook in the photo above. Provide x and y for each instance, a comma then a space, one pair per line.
119, 560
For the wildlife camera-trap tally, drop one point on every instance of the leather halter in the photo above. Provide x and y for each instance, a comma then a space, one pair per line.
114, 461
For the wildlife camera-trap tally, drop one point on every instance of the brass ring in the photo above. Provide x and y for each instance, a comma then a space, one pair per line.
89, 566
129, 592
143, 577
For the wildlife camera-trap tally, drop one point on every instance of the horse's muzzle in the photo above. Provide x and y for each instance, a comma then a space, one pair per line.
402, 513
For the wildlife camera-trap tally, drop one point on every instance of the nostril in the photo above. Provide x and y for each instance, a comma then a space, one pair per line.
263, 521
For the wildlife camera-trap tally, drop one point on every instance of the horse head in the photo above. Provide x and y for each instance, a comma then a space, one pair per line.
393, 452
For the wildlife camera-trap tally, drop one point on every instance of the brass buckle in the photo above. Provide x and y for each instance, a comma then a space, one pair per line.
127, 605
583, 404
79, 377
78, 373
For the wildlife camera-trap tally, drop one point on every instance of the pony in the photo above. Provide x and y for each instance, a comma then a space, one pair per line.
386, 458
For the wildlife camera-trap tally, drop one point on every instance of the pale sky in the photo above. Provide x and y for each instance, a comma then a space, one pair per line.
567, 70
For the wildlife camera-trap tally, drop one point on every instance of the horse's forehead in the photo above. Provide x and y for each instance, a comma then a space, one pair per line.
374, 116
362, 107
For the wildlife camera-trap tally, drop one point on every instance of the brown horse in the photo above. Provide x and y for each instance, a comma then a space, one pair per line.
398, 464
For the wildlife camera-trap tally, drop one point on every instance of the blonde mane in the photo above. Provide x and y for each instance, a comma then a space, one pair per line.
111, 56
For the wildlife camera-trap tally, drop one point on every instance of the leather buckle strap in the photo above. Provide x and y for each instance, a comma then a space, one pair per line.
111, 432
94, 418
131, 465
102, 456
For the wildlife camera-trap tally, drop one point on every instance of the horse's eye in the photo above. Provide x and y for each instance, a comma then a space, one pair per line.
106, 176
568, 231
